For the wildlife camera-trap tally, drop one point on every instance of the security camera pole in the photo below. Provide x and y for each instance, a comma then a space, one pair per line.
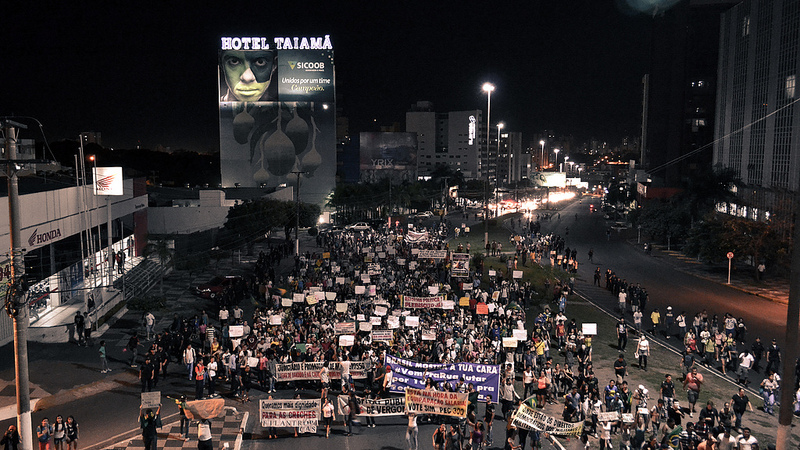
16, 306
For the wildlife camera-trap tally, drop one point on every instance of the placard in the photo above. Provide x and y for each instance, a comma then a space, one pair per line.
380, 310
401, 261
441, 403
319, 295
463, 301
459, 264
410, 374
252, 362
432, 254
520, 335
448, 304
428, 335
151, 399
517, 274
492, 273
361, 289
341, 307
415, 251
433, 290
381, 255
344, 328
298, 297
347, 340
364, 279
393, 322
287, 302
384, 407
360, 317
412, 321
382, 335
275, 319
339, 280
589, 329
304, 414
510, 342
482, 309
365, 326
311, 299
326, 255
495, 296
236, 331
375, 320
330, 296
372, 290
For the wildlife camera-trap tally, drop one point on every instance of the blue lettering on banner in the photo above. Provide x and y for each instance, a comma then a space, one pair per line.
485, 377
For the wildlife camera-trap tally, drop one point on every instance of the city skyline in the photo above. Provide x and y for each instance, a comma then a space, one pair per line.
146, 76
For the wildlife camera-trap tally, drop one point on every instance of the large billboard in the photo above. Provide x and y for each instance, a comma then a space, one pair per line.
388, 155
277, 113
549, 179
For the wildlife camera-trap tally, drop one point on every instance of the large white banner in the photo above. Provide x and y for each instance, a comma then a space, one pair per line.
303, 414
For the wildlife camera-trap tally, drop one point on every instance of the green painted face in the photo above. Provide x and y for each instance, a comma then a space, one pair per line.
248, 73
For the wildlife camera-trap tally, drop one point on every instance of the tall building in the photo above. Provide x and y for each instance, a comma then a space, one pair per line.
757, 126
455, 139
679, 90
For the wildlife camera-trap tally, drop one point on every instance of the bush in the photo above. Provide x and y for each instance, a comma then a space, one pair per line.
147, 303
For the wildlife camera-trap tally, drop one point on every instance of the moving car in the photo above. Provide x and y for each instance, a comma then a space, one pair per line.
358, 226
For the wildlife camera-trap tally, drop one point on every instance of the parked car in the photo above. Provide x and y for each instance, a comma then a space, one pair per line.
423, 215
215, 286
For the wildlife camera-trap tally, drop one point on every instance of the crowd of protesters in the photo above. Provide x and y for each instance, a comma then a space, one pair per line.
553, 363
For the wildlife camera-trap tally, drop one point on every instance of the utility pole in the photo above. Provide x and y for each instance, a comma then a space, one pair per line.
297, 213
16, 306
790, 344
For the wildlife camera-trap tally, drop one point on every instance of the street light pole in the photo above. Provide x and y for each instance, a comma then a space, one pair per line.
555, 150
500, 126
488, 88
16, 305
541, 158
297, 213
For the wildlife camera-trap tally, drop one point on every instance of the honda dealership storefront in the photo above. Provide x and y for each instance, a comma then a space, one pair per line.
65, 240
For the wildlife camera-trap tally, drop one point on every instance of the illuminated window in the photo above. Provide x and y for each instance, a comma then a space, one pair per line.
790, 83
746, 26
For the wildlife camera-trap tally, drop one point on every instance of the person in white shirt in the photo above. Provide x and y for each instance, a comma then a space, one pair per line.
204, 441
745, 364
344, 366
412, 432
726, 441
745, 441
643, 351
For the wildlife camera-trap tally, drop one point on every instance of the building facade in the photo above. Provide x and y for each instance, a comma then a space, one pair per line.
757, 122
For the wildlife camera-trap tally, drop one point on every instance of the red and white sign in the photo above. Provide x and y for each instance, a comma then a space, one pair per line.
108, 181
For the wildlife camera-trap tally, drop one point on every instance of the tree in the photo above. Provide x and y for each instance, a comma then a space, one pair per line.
161, 249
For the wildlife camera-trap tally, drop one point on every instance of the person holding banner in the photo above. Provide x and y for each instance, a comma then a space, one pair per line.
149, 423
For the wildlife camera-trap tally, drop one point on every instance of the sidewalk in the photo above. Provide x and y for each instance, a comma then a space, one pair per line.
226, 433
774, 288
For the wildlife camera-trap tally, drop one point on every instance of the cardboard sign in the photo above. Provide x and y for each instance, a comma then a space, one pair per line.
510, 342
380, 310
365, 326
520, 335
235, 331
298, 297
393, 322
339, 280
344, 328
341, 307
375, 320
433, 290
412, 321
482, 308
312, 299
319, 295
151, 399
589, 329
492, 273
330, 296
448, 304
372, 290
361, 289
347, 340
287, 302
360, 317
428, 335
517, 274
275, 320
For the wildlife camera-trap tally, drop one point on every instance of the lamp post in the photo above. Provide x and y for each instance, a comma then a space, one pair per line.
566, 158
500, 126
541, 158
488, 88
555, 150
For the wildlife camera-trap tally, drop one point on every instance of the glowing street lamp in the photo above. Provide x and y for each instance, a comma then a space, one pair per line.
488, 88
541, 158
555, 150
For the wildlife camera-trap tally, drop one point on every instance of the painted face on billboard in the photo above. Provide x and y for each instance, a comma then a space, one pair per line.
248, 74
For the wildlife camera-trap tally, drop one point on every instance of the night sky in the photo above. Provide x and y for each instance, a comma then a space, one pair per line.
146, 72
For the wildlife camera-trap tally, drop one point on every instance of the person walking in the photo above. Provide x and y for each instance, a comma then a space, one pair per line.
692, 384
103, 358
412, 431
149, 322
72, 433
149, 422
740, 404
769, 387
44, 433
328, 415
79, 328
643, 351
